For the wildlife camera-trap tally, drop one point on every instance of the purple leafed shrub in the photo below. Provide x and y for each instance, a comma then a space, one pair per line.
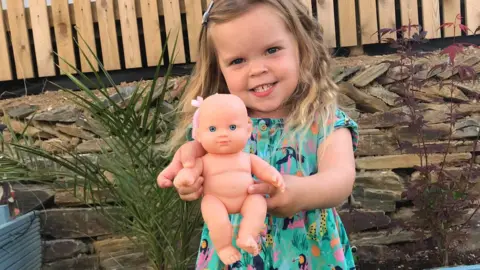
443, 198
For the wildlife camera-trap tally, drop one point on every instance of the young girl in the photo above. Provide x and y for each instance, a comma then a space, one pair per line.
270, 53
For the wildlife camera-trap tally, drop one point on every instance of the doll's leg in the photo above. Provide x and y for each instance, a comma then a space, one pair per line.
221, 232
253, 211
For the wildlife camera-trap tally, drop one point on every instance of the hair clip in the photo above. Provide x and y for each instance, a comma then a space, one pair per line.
207, 13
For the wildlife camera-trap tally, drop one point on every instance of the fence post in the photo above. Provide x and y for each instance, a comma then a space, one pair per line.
4, 214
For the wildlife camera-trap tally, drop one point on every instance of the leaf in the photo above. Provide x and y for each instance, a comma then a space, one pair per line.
457, 195
452, 51
466, 73
439, 68
476, 30
464, 28
446, 25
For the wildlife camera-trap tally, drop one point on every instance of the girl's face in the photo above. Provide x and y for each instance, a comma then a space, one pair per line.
259, 60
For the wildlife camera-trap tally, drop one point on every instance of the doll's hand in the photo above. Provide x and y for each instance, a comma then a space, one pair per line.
280, 204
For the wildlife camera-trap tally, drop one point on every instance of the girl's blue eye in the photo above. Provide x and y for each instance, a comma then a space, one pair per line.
272, 50
233, 127
237, 61
212, 129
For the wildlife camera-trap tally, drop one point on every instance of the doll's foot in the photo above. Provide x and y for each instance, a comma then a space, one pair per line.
249, 245
229, 255
185, 177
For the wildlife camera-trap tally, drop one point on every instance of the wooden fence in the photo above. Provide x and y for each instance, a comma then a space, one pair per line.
127, 34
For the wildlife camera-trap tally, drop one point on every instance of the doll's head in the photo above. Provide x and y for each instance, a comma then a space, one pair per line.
222, 125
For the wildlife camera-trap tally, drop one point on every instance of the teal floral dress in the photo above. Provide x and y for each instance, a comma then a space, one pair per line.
314, 239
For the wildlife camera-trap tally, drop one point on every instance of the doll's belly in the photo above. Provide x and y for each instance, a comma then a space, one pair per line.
230, 188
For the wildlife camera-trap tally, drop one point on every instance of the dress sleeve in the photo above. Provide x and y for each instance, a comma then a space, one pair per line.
342, 120
189, 136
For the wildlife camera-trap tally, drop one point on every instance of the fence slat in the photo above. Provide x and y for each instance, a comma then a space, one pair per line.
194, 25
451, 8
205, 4
131, 42
326, 19
151, 31
108, 34
348, 24
173, 25
20, 40
5, 67
472, 10
42, 38
63, 35
409, 11
368, 21
431, 18
85, 34
386, 17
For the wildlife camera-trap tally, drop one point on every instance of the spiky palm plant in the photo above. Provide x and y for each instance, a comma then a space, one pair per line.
156, 219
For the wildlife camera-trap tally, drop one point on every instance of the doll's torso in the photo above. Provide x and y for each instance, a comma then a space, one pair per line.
227, 177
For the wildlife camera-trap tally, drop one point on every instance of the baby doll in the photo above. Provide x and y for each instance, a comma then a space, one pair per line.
222, 126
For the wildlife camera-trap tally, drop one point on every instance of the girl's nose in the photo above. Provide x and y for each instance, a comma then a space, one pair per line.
257, 68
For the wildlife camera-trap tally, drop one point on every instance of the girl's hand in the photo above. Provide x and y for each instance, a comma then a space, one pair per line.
183, 158
280, 204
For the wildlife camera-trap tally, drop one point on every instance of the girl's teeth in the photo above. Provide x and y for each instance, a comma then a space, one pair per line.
263, 88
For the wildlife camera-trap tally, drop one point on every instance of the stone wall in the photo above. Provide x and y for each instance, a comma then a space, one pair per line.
75, 236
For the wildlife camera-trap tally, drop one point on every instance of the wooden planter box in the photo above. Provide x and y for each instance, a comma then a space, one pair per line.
20, 243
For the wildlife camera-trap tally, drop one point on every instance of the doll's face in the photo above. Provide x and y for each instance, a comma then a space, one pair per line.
224, 126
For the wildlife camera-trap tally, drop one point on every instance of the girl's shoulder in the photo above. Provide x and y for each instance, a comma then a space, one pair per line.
343, 120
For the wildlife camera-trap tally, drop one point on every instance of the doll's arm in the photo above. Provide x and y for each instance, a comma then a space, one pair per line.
266, 173
188, 176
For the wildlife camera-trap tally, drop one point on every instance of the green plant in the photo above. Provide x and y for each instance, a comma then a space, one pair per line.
161, 224
441, 196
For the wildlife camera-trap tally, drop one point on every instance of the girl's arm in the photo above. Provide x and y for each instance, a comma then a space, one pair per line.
333, 182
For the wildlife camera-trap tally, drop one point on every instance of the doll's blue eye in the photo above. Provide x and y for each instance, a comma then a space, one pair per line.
233, 127
212, 129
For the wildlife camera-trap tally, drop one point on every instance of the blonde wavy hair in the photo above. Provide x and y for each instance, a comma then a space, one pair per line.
314, 99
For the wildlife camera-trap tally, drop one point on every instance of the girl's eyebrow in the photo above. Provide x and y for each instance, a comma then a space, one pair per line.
275, 42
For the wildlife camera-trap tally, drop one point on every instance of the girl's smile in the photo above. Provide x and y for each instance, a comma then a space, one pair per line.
264, 89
